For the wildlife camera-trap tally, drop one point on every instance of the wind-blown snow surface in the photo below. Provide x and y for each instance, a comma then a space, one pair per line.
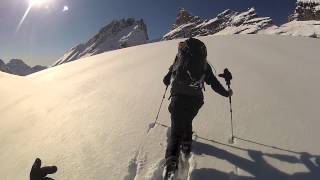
90, 118
296, 28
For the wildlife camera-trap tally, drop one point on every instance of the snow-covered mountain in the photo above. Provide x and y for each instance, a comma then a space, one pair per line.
18, 67
227, 22
305, 21
306, 10
94, 126
116, 35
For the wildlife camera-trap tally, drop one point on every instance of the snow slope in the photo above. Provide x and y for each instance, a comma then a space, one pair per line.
90, 117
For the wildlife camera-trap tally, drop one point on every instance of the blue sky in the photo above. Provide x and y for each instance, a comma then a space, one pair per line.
48, 32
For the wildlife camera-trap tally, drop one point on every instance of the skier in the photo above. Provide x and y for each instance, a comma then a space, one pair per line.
188, 73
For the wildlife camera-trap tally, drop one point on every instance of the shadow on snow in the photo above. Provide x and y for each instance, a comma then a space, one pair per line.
258, 167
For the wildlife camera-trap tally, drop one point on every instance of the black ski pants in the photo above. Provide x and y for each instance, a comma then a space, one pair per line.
183, 109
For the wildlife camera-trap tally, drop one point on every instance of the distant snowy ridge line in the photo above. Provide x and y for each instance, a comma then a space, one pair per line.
18, 67
130, 32
303, 22
307, 1
246, 22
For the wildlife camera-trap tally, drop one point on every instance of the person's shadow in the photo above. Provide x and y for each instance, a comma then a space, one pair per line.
257, 167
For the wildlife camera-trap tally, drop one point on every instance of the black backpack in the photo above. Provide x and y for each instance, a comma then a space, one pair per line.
189, 67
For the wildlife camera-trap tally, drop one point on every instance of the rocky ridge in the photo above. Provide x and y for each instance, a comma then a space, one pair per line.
306, 11
227, 22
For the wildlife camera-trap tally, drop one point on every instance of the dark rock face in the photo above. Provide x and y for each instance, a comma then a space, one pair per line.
184, 17
18, 67
3, 67
306, 11
245, 22
38, 68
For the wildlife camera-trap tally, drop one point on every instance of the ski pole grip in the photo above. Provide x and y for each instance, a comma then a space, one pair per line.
227, 76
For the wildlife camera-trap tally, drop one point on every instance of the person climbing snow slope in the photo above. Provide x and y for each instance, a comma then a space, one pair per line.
187, 76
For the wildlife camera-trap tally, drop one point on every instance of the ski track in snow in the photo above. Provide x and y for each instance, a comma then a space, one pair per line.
132, 169
139, 161
155, 170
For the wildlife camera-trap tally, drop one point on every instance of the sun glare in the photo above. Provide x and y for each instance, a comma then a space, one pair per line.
38, 3
33, 4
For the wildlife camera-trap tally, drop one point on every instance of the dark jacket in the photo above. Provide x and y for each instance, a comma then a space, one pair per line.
210, 79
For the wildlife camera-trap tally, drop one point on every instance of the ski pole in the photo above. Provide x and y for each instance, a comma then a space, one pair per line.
155, 121
230, 103
164, 96
227, 77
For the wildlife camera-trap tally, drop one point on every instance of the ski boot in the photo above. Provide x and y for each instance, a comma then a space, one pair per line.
185, 149
170, 169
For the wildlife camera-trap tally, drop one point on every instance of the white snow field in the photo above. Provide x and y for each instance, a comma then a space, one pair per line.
90, 117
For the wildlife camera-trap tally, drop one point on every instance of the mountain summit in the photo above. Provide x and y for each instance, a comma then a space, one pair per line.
184, 17
116, 35
227, 22
18, 67
305, 21
306, 11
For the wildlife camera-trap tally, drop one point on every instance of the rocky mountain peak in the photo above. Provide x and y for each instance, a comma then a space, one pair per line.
184, 17
306, 11
227, 22
117, 34
19, 67
117, 26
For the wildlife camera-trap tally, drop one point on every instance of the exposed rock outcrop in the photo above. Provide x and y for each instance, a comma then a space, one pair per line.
306, 11
227, 22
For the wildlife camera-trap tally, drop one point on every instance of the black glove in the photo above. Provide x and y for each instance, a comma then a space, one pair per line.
40, 173
167, 79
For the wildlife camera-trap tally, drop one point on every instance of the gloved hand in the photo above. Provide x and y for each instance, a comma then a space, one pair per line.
40, 173
230, 92
167, 79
